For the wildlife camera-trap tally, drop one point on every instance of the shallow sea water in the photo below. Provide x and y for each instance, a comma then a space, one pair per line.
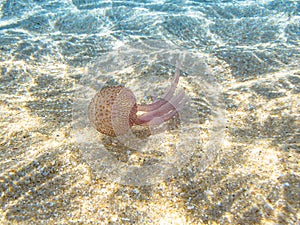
231, 156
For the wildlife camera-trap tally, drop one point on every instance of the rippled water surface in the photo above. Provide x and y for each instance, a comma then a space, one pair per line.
231, 156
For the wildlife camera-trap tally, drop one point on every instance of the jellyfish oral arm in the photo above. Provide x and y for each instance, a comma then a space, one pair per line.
165, 112
157, 104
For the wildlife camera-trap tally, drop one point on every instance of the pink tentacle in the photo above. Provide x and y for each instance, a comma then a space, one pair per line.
165, 117
171, 105
155, 105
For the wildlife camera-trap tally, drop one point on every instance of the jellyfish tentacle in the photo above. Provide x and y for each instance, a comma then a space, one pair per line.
155, 105
157, 120
171, 105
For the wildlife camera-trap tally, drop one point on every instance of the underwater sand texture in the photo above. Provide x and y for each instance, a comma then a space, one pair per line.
44, 50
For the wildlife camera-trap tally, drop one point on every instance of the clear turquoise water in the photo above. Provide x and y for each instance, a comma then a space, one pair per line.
263, 34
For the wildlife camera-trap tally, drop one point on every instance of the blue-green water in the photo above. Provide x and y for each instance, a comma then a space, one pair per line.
263, 34
245, 51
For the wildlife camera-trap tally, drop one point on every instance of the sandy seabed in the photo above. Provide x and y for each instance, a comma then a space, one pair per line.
44, 179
